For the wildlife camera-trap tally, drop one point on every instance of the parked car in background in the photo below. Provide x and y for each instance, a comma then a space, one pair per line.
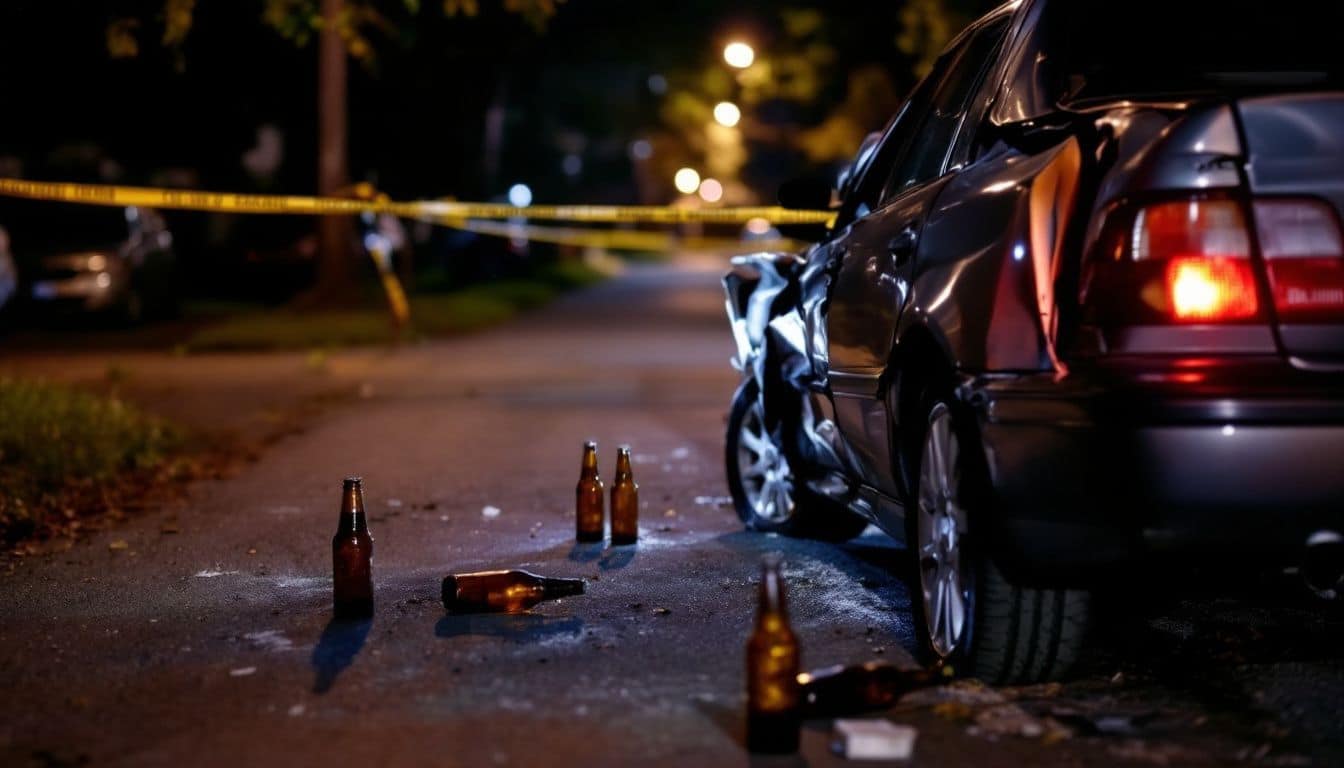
1081, 312
91, 259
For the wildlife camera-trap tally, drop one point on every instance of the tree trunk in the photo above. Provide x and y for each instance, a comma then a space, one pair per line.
335, 282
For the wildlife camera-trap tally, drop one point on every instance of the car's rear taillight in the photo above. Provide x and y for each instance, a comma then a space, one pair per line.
1179, 262
1210, 290
1205, 249
1304, 254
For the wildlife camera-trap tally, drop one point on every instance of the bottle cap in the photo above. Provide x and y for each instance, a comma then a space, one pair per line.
353, 481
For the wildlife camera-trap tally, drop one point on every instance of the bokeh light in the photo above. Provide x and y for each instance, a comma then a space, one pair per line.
727, 114
687, 181
739, 55
520, 195
711, 191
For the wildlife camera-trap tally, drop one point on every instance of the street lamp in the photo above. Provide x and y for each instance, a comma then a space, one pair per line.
687, 181
727, 114
739, 55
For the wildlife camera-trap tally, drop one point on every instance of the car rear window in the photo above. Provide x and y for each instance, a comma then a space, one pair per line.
1153, 48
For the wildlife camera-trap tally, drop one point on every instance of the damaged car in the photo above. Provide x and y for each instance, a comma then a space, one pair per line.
1080, 310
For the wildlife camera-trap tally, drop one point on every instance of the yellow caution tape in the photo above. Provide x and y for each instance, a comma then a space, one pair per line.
228, 202
459, 215
620, 239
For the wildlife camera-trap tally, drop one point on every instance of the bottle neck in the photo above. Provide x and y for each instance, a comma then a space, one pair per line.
353, 519
772, 609
589, 463
553, 588
623, 465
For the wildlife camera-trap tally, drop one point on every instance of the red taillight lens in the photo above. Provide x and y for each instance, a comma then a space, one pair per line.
1189, 261
1304, 252
1207, 290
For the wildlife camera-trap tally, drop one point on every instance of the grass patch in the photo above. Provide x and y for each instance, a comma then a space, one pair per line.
432, 314
54, 437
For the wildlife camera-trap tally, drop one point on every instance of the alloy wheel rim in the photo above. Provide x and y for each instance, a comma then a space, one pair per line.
767, 480
942, 524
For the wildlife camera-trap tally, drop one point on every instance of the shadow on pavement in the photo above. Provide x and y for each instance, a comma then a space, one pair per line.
341, 642
586, 552
617, 558
519, 627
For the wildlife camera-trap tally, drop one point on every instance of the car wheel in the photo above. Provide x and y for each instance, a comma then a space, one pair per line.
764, 486
968, 613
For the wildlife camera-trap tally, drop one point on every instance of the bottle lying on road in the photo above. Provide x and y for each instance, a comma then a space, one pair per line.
774, 720
352, 556
839, 691
503, 591
589, 512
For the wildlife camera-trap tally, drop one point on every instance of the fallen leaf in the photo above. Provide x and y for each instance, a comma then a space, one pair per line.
118, 545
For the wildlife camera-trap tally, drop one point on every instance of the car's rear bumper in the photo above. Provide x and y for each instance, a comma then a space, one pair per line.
1088, 475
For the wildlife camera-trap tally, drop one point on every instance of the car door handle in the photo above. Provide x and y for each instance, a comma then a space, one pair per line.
902, 246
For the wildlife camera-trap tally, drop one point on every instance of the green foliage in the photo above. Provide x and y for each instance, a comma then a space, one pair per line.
927, 26
53, 435
300, 20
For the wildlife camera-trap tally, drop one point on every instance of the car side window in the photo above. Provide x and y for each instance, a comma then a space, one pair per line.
902, 130
927, 155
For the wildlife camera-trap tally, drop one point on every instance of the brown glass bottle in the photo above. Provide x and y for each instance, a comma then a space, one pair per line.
624, 501
503, 591
352, 556
774, 716
839, 691
589, 498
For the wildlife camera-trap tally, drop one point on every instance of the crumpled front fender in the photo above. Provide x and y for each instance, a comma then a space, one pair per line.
753, 286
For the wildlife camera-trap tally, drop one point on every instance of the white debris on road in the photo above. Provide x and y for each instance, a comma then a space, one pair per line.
242, 671
874, 740
210, 574
270, 640
490, 513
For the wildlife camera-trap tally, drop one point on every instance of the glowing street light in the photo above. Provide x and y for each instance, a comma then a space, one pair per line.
520, 195
727, 114
711, 191
739, 55
687, 181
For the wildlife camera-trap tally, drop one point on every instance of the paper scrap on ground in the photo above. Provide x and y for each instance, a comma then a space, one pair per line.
874, 740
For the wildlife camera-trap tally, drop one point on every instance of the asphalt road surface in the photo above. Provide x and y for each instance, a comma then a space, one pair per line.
215, 645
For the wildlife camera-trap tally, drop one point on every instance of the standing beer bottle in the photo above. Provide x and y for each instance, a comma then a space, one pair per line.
589, 498
352, 556
624, 501
503, 591
774, 717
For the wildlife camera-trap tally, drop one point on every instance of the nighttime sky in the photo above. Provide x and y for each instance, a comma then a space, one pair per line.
418, 116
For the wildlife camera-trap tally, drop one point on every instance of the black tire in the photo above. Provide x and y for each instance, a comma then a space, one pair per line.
1009, 633
810, 516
